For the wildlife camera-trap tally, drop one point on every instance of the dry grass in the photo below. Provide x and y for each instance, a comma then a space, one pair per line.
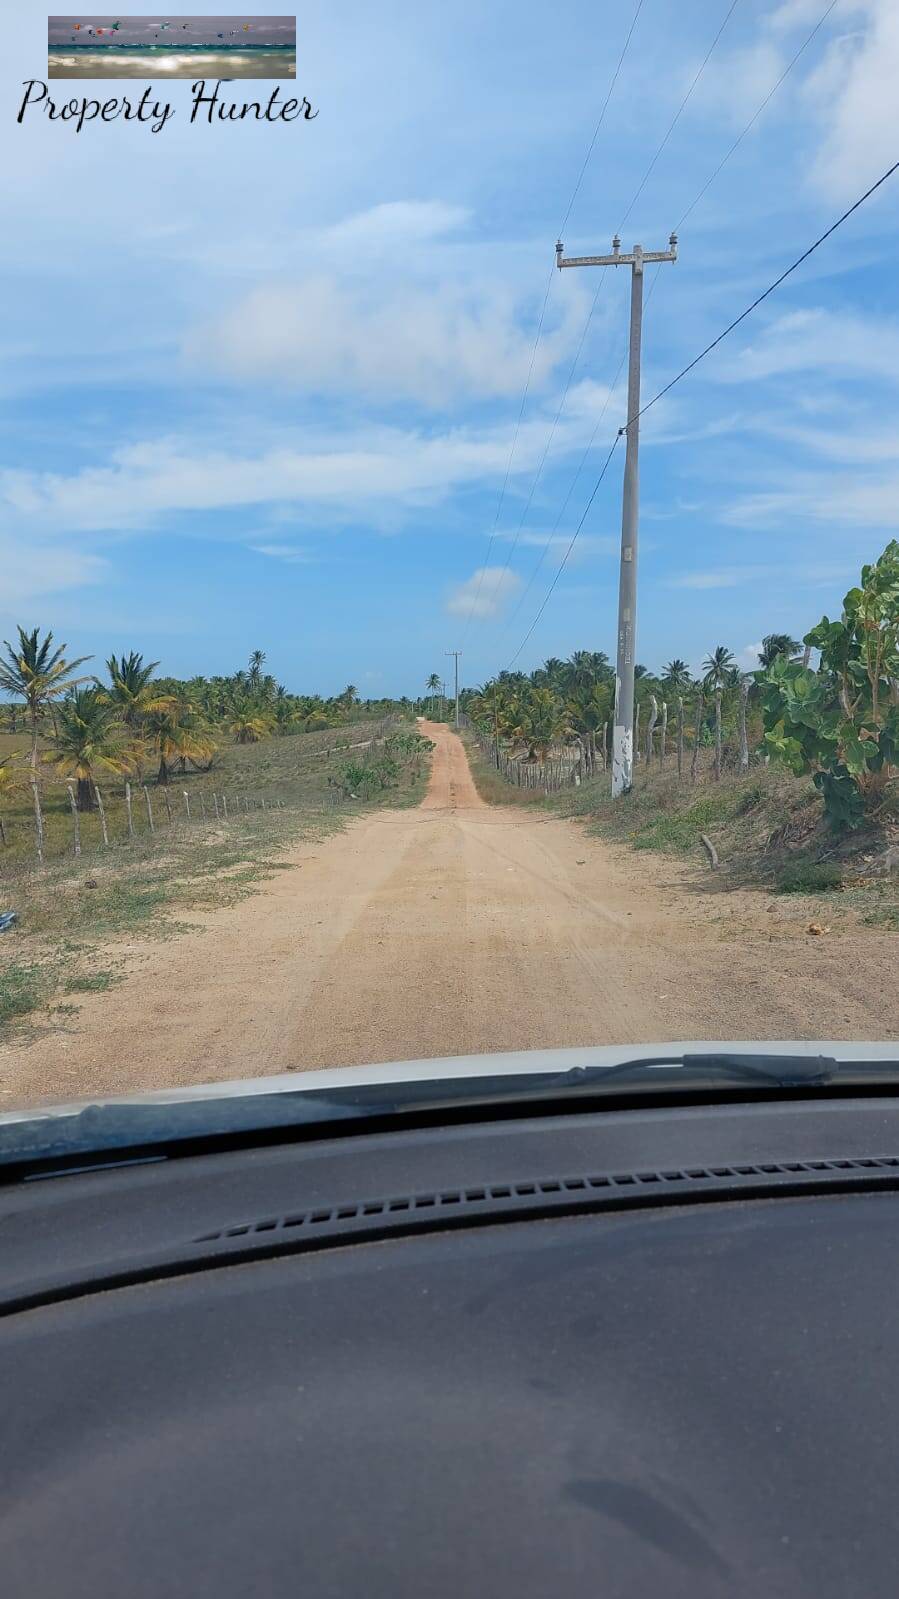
71, 911
491, 786
767, 827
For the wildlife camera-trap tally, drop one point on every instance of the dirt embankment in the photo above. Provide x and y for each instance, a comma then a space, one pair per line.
453, 928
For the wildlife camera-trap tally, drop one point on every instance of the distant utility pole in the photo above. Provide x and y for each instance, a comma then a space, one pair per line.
455, 654
623, 733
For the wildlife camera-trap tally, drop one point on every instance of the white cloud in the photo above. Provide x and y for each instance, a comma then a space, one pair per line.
842, 501
724, 578
484, 594
294, 554
854, 90
395, 225
434, 345
819, 340
31, 571
374, 469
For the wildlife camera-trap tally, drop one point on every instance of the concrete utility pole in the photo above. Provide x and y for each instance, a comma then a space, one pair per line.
455, 654
623, 733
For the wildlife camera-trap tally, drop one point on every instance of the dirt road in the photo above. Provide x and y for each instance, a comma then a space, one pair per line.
454, 928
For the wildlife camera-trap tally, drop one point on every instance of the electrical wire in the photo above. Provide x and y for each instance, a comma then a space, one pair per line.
639, 190
542, 317
678, 114
694, 363
754, 118
564, 561
763, 296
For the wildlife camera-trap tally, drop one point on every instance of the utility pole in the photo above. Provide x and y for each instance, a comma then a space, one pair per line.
455, 654
623, 732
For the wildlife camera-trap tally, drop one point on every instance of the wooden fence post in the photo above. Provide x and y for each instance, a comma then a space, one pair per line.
149, 809
215, 801
744, 736
663, 736
700, 707
2, 833
128, 810
186, 802
680, 736
38, 818
168, 803
225, 805
651, 727
202, 807
76, 825
102, 812
637, 732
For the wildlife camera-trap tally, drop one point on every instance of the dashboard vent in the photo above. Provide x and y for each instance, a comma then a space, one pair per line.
567, 1195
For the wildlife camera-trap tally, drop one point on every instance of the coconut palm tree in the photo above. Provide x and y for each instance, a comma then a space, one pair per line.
541, 720
248, 721
676, 675
719, 669
431, 688
775, 644
176, 732
257, 661
38, 674
131, 689
90, 737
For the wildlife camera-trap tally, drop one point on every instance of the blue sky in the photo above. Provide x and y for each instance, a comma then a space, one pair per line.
260, 383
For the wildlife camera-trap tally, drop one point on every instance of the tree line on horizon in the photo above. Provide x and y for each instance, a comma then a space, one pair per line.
563, 700
82, 725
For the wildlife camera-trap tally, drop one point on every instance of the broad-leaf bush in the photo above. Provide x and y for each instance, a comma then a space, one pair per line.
841, 722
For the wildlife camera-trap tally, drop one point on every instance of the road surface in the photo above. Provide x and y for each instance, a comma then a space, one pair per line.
454, 928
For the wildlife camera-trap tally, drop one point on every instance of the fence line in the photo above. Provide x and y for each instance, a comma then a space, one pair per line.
242, 804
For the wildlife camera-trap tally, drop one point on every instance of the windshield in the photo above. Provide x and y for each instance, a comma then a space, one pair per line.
448, 597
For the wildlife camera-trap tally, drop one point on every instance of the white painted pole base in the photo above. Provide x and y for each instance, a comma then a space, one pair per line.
622, 760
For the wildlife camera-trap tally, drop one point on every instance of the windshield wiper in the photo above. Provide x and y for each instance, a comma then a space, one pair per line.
786, 1071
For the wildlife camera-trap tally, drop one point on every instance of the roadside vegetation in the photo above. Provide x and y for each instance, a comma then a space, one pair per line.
225, 775
790, 771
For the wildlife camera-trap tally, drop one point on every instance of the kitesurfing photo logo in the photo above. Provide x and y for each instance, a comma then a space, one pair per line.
173, 47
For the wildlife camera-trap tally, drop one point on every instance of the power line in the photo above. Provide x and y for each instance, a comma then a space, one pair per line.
754, 118
639, 190
605, 106
689, 368
564, 560
678, 113
763, 296
542, 317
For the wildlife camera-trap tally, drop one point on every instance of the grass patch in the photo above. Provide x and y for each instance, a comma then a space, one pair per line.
91, 982
490, 783
886, 916
810, 877
23, 988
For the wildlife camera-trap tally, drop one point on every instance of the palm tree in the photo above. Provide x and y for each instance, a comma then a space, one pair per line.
131, 687
257, 661
431, 688
719, 671
775, 644
176, 732
39, 675
676, 675
541, 721
90, 736
248, 721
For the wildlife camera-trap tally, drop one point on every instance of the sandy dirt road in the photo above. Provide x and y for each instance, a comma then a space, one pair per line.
454, 928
